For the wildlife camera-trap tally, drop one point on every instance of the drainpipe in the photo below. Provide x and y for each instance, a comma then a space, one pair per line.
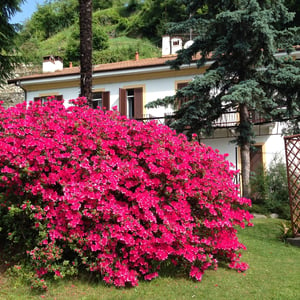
18, 83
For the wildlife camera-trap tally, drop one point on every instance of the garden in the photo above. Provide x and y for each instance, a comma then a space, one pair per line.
273, 274
92, 203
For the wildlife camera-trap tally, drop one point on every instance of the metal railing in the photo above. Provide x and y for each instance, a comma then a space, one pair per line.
229, 119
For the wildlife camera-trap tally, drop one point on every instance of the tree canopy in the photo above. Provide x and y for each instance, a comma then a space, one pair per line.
294, 5
153, 16
240, 41
51, 29
7, 34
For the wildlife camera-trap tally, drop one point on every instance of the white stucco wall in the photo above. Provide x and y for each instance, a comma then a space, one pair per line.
68, 94
224, 146
273, 146
153, 89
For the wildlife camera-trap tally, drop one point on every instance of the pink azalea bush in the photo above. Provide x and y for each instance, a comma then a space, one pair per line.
83, 187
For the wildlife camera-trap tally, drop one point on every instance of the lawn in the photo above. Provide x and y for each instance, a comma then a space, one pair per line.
274, 273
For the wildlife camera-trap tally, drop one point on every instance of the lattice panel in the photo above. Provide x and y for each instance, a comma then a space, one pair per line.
292, 151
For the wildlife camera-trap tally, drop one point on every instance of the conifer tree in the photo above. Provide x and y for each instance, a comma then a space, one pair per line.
8, 32
240, 39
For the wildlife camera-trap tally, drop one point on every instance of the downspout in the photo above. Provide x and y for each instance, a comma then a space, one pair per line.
18, 83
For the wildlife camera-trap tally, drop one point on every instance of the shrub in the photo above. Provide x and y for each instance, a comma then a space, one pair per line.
83, 187
270, 190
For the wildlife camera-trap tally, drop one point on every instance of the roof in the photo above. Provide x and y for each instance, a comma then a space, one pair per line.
122, 65
116, 66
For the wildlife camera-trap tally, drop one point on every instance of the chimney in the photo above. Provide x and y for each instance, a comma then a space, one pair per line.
52, 63
170, 45
137, 56
166, 45
70, 65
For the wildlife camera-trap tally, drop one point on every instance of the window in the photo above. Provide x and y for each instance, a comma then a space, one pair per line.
179, 86
101, 99
48, 98
131, 103
256, 158
97, 100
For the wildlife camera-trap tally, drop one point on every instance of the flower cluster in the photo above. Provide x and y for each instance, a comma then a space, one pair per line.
116, 195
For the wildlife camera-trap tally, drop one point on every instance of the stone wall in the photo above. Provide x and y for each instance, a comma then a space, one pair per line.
11, 94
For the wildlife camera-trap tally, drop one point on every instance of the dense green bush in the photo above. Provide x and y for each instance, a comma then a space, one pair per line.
270, 190
100, 42
124, 48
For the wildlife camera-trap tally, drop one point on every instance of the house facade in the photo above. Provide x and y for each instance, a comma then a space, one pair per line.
130, 85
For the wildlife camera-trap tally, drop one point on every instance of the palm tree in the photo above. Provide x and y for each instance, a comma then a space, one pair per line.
86, 69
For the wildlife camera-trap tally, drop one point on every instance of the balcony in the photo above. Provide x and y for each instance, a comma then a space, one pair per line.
227, 120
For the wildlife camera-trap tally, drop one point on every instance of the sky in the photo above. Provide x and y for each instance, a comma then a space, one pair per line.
28, 8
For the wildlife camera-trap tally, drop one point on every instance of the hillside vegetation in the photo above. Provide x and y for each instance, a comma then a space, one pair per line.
120, 28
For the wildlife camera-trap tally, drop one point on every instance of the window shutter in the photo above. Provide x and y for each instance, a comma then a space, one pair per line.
122, 102
138, 103
106, 100
181, 85
182, 100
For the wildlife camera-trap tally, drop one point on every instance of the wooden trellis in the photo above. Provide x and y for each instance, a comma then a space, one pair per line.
292, 152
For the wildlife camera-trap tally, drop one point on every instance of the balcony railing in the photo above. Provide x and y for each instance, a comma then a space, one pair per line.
160, 120
227, 120
230, 119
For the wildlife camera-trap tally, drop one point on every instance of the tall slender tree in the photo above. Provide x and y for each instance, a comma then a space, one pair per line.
86, 46
8, 32
241, 39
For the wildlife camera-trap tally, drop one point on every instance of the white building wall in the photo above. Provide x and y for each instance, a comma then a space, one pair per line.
273, 146
68, 94
153, 89
225, 146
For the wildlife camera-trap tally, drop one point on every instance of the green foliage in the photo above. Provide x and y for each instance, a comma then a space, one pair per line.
106, 17
285, 230
18, 229
293, 5
270, 190
50, 18
273, 274
8, 31
54, 29
238, 42
240, 39
99, 4
151, 20
72, 51
24, 275
292, 127
124, 48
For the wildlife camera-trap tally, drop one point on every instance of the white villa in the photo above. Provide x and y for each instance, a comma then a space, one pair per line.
130, 85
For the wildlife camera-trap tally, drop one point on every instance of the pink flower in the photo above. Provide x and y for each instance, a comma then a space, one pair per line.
120, 195
151, 276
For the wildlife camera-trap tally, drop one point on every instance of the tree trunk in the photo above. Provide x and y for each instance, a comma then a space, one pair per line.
245, 150
86, 45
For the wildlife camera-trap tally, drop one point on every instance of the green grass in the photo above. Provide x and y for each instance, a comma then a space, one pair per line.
274, 273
